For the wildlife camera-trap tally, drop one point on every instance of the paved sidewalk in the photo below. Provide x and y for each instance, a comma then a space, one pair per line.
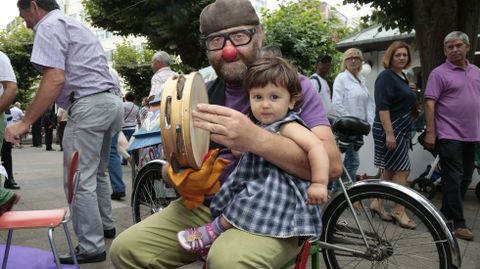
39, 173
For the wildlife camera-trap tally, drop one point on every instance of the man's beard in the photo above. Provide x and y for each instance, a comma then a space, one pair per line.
234, 72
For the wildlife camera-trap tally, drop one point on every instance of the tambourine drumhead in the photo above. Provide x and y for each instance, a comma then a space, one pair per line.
183, 144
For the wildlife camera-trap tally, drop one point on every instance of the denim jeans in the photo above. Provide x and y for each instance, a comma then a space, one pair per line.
115, 167
351, 162
457, 163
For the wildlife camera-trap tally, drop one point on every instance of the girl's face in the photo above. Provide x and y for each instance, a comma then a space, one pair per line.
270, 103
400, 58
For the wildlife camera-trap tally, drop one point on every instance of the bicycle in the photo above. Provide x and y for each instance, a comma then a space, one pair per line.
428, 182
353, 236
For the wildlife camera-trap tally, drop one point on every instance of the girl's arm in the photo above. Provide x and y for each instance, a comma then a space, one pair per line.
317, 157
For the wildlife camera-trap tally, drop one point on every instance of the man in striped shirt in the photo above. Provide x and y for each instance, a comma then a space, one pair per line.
75, 75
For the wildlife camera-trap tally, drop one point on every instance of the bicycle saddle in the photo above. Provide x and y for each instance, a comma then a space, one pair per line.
350, 126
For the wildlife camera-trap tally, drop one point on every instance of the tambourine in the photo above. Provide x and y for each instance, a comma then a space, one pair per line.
183, 144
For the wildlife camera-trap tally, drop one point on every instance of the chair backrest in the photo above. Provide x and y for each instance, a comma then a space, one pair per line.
73, 174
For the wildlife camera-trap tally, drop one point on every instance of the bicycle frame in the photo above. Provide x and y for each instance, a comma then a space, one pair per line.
453, 244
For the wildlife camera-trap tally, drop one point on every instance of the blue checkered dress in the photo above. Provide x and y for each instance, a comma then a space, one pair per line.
260, 198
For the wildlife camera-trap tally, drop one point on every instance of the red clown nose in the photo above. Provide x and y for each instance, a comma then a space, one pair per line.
229, 53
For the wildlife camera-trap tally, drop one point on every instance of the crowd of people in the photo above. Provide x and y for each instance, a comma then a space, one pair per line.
268, 122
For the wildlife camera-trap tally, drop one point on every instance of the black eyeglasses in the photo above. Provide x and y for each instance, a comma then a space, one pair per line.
238, 38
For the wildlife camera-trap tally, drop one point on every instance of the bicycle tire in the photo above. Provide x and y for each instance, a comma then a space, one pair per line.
424, 186
390, 245
149, 195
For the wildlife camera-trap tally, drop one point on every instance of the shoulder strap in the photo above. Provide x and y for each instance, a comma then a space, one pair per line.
318, 82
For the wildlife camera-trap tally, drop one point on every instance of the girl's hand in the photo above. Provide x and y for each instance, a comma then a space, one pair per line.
317, 193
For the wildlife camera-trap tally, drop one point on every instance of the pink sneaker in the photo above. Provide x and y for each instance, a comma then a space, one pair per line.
197, 240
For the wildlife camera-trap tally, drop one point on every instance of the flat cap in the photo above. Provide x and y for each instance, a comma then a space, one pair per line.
223, 14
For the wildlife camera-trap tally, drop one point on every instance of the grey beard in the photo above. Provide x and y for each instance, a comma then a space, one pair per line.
233, 75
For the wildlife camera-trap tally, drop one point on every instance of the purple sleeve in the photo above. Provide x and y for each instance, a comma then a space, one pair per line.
312, 111
434, 85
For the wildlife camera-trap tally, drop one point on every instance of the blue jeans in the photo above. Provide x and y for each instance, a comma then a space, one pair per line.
457, 163
115, 167
351, 163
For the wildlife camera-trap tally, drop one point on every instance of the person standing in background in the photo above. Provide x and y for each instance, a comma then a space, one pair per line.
324, 63
352, 98
452, 117
8, 92
75, 75
7, 162
48, 122
161, 67
394, 98
115, 163
62, 117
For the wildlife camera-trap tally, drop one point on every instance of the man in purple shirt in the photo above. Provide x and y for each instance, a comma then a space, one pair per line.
452, 115
75, 75
228, 25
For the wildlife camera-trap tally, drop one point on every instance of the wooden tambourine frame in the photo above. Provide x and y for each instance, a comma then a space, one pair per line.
183, 144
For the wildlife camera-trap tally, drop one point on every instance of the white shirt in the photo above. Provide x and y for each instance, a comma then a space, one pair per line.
17, 114
159, 79
6, 71
351, 97
324, 92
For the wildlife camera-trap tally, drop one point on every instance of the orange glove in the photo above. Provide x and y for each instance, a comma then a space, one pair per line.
193, 185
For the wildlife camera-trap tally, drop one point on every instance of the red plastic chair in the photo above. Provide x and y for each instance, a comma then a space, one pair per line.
51, 219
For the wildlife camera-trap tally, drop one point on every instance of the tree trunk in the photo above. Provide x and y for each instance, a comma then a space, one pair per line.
434, 19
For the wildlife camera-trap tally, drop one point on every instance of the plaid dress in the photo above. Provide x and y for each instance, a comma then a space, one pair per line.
260, 198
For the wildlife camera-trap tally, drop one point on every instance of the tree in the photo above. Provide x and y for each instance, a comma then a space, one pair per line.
303, 32
170, 25
432, 21
133, 65
17, 42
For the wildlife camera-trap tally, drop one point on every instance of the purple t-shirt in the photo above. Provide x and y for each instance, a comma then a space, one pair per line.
311, 112
457, 95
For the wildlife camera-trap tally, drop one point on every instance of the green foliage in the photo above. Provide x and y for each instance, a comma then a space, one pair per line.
303, 33
169, 25
17, 42
390, 14
133, 65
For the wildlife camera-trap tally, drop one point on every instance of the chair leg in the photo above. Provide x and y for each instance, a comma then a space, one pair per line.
54, 248
70, 245
7, 249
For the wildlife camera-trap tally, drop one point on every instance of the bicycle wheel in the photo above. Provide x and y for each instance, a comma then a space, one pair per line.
424, 186
390, 246
150, 194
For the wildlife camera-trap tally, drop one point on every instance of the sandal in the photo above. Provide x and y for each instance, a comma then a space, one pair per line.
403, 220
197, 240
374, 209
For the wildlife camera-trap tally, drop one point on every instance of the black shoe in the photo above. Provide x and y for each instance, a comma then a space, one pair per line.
83, 257
117, 196
10, 184
50, 150
109, 233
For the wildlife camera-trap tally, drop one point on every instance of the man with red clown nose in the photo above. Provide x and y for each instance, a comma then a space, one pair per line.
232, 37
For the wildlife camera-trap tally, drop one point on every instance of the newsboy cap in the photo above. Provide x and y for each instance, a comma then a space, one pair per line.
223, 14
